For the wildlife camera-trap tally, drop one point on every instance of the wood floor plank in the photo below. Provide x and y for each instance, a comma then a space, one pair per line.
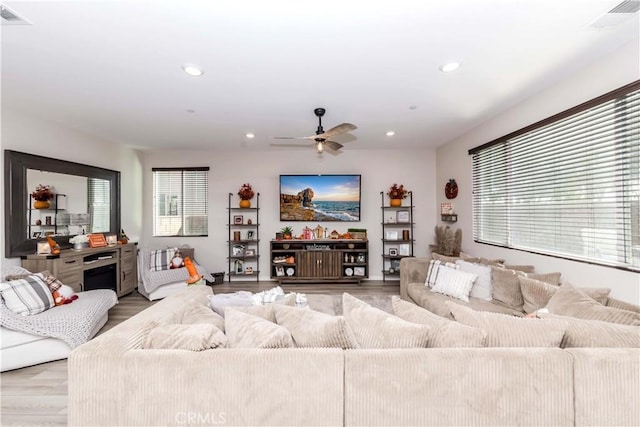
37, 395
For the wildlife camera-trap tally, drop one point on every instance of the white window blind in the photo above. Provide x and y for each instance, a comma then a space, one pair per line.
180, 201
99, 205
569, 186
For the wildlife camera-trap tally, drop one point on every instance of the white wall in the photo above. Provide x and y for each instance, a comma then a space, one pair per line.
453, 161
379, 169
36, 136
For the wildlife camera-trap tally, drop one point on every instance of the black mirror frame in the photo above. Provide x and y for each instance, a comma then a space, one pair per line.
16, 195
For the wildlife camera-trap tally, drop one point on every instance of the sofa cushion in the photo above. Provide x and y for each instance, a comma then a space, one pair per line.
195, 312
596, 333
435, 302
194, 337
161, 258
248, 331
506, 286
369, 327
616, 303
444, 258
27, 296
482, 285
569, 301
522, 268
218, 302
266, 311
510, 331
311, 328
454, 283
537, 293
444, 332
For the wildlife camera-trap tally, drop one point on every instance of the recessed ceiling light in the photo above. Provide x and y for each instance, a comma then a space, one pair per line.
193, 70
250, 135
191, 111
451, 66
390, 133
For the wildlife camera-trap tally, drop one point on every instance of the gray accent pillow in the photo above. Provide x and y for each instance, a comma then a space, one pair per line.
444, 332
482, 285
569, 301
369, 327
596, 333
195, 337
510, 331
506, 288
311, 328
248, 331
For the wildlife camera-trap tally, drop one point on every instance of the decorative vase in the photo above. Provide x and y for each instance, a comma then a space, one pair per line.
41, 204
395, 203
244, 203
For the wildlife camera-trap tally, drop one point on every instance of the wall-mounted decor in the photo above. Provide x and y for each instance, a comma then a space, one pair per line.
451, 189
320, 198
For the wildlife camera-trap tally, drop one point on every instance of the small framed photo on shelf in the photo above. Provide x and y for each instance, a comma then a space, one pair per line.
238, 266
358, 271
391, 235
112, 239
248, 270
250, 235
37, 234
404, 250
393, 251
43, 248
238, 250
402, 216
238, 219
361, 258
279, 271
249, 252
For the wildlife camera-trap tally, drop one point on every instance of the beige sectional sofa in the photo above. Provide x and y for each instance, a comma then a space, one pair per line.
114, 381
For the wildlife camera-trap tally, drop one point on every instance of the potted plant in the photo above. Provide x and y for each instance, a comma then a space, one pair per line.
287, 232
396, 193
246, 193
42, 195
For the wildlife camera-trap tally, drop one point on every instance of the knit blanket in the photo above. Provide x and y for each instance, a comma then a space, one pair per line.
73, 323
152, 280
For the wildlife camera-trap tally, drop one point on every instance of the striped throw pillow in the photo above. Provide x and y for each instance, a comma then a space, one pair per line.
432, 273
27, 296
161, 258
454, 283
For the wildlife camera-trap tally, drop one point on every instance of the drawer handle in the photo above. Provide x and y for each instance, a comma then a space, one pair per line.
70, 262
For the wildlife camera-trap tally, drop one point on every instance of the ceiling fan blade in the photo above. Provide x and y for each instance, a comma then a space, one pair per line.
293, 145
343, 128
333, 145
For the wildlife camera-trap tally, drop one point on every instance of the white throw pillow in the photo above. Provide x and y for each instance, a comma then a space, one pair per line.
432, 273
454, 283
482, 286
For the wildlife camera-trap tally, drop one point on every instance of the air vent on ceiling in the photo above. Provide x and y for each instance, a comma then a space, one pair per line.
627, 6
617, 15
9, 17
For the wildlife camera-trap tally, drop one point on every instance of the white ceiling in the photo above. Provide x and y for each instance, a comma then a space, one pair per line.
113, 68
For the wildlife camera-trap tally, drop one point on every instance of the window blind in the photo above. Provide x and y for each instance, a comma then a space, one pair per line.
569, 187
180, 201
99, 205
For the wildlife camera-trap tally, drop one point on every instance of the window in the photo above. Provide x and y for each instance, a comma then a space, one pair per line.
180, 201
568, 186
99, 205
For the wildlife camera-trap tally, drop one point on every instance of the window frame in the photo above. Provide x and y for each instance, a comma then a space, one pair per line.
503, 141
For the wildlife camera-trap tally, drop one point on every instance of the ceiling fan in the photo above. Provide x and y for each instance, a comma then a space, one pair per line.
321, 140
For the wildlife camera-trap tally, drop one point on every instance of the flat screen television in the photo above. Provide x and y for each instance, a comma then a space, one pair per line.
320, 198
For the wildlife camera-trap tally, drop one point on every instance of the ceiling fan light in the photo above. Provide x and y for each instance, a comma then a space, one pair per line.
451, 66
192, 70
390, 133
319, 147
250, 135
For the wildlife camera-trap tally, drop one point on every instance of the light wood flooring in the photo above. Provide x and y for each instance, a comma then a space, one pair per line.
37, 395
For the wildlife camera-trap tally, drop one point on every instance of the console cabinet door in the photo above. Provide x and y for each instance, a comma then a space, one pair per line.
319, 264
128, 273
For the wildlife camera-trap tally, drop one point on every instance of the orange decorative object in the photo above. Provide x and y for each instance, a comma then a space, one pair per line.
194, 277
245, 204
40, 204
97, 240
55, 249
395, 203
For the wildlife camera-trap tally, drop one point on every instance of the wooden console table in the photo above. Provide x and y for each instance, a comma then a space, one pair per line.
322, 260
72, 267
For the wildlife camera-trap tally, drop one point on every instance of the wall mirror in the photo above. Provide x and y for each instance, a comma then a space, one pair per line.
86, 199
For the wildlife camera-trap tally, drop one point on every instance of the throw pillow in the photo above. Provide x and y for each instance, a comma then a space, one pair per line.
195, 312
444, 332
432, 273
369, 327
196, 337
311, 328
454, 283
495, 262
482, 286
537, 293
522, 268
161, 259
218, 302
550, 278
506, 288
596, 333
27, 296
444, 258
510, 331
569, 301
248, 331
466, 257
